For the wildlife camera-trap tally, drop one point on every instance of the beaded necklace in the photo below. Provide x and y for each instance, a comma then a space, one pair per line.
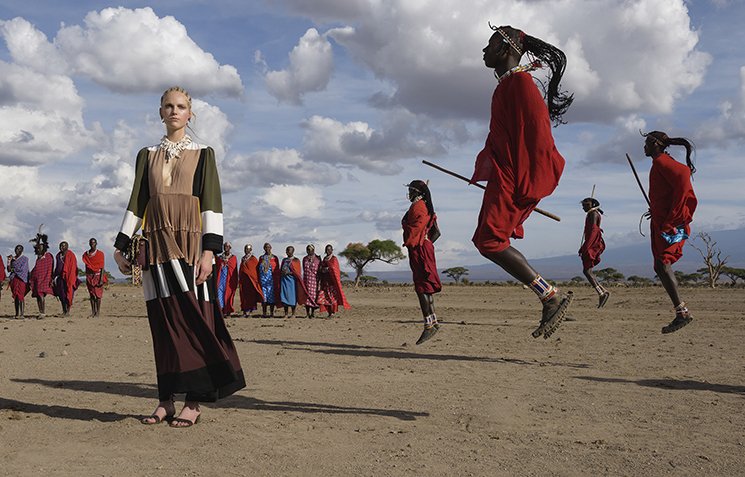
173, 149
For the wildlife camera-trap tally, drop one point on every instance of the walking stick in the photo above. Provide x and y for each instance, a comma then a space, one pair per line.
454, 174
633, 169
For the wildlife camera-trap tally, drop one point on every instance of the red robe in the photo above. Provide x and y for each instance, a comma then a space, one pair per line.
421, 250
250, 288
231, 284
672, 204
95, 278
594, 245
40, 278
69, 274
330, 294
2, 271
300, 290
519, 162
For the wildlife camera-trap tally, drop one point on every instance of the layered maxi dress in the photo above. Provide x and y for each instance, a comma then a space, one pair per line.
179, 205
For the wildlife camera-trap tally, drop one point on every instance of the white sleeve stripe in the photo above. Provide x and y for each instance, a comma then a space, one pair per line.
130, 224
212, 222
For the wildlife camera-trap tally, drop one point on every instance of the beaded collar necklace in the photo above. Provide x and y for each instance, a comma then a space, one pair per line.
173, 149
533, 65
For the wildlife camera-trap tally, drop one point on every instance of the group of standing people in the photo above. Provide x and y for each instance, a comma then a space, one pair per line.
314, 282
53, 275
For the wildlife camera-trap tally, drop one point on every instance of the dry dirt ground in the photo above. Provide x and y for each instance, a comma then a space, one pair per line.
606, 395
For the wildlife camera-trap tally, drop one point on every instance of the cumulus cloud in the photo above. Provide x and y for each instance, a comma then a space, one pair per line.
295, 201
384, 220
274, 167
729, 125
159, 53
311, 64
629, 57
357, 144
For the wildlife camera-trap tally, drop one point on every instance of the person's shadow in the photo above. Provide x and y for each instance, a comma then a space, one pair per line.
677, 384
237, 401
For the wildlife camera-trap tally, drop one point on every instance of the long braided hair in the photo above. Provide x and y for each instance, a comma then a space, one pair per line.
540, 53
663, 140
422, 189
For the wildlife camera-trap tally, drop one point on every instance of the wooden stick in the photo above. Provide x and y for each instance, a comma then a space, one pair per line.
633, 169
454, 174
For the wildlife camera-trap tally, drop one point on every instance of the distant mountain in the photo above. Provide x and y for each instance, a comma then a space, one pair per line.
629, 260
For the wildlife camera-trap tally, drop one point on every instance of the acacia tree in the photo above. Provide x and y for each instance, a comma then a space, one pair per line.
456, 273
359, 255
712, 258
734, 274
609, 275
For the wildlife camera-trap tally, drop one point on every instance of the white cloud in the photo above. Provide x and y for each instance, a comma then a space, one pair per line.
295, 201
274, 167
30, 47
311, 64
629, 56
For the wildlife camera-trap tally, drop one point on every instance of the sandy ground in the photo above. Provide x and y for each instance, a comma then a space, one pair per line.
606, 395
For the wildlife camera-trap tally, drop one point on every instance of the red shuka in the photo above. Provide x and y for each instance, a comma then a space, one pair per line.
300, 290
421, 251
672, 204
250, 288
593, 245
95, 278
519, 162
330, 293
231, 284
70, 275
2, 271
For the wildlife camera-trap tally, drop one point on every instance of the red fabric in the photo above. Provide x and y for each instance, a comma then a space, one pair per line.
594, 245
18, 288
95, 278
277, 275
330, 294
250, 288
70, 275
672, 204
2, 270
40, 278
415, 223
231, 284
424, 268
520, 162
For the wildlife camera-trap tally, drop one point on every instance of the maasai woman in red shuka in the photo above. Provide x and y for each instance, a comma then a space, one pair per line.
311, 264
519, 161
593, 246
66, 279
417, 223
671, 208
2, 275
330, 293
40, 278
248, 280
18, 284
95, 277
227, 279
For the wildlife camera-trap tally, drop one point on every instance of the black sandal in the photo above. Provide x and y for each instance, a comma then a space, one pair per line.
551, 319
679, 322
181, 423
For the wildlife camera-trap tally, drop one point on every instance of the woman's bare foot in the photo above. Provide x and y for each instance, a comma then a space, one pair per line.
188, 416
164, 412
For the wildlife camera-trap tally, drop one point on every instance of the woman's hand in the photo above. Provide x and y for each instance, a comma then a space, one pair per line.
124, 266
204, 266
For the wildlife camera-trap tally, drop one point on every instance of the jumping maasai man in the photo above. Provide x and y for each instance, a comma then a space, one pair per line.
18, 275
248, 281
95, 277
671, 208
40, 278
519, 161
227, 278
269, 277
66, 277
593, 246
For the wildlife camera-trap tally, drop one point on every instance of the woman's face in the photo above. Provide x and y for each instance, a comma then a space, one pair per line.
329, 249
175, 111
310, 249
18, 250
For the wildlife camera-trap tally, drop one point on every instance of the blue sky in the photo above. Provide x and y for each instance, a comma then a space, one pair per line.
321, 110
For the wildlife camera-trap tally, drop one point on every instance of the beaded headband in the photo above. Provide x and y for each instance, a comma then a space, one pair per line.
509, 40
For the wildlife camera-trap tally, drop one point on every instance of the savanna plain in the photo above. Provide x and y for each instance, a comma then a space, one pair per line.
607, 394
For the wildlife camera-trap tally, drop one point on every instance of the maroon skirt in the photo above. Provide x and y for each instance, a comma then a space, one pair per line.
424, 268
